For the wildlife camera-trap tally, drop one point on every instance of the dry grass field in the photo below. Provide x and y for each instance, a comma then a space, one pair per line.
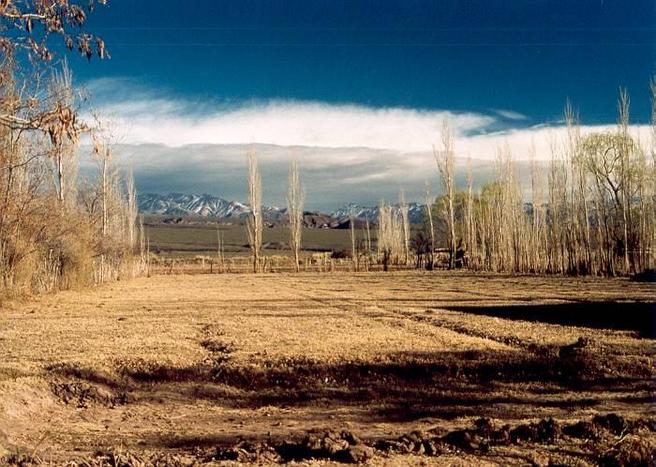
404, 368
184, 240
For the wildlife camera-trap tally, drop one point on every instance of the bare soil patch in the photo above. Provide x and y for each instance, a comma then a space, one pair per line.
396, 369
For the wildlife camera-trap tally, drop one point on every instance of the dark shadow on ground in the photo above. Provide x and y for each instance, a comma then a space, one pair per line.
402, 387
639, 317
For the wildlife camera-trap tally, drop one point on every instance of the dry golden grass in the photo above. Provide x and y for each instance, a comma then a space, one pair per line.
171, 363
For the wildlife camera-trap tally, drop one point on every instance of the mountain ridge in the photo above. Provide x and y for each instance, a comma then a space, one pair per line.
210, 206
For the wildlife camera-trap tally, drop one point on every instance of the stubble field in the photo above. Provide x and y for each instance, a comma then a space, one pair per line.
399, 368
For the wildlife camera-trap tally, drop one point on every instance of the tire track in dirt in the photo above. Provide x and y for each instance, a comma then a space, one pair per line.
455, 294
298, 293
348, 304
393, 311
462, 329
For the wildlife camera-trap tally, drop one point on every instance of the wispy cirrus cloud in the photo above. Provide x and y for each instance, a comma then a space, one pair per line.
510, 115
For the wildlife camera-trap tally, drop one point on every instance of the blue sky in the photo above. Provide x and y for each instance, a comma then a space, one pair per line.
528, 56
513, 63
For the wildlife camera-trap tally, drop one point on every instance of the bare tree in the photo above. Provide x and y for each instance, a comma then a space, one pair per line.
220, 254
538, 236
445, 160
28, 24
470, 228
390, 234
64, 134
649, 203
428, 202
405, 226
385, 241
354, 245
652, 91
102, 149
295, 200
254, 224
132, 209
625, 152
603, 153
25, 29
368, 233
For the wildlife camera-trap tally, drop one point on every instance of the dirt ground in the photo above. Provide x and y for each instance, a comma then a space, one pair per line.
405, 368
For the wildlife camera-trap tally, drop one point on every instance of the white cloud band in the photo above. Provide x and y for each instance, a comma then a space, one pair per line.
348, 152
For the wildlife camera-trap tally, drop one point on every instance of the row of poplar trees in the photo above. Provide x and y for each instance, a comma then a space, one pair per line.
592, 208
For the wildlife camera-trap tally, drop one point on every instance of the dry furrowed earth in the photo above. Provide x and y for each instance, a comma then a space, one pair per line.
399, 368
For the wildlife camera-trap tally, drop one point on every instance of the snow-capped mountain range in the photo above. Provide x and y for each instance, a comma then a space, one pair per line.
178, 204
